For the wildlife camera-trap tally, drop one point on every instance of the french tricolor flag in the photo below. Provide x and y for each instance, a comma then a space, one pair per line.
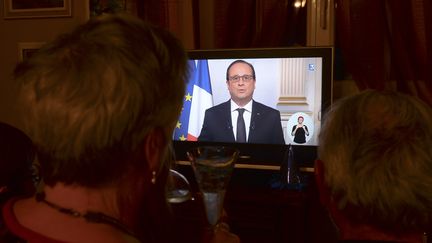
202, 99
198, 98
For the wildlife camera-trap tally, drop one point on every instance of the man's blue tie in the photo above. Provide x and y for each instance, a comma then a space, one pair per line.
241, 130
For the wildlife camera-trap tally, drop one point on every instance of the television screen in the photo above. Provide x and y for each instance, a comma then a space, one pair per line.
294, 82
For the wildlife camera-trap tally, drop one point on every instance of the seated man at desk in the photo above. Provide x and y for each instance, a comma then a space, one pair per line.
241, 119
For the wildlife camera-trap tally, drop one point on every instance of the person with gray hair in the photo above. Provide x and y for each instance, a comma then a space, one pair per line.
374, 172
100, 104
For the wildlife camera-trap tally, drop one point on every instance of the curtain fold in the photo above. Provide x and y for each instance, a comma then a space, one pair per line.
239, 23
387, 44
259, 23
234, 23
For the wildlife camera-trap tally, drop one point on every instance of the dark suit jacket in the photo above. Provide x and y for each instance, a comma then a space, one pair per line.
265, 126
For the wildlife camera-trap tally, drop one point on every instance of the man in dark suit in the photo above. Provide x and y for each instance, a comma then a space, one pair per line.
241, 119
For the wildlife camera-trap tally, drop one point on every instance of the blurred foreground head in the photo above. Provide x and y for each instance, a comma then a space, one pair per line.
93, 96
375, 149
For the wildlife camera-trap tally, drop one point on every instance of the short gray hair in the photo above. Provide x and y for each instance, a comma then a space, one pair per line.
377, 156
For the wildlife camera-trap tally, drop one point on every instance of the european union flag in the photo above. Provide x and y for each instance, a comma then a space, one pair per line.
181, 129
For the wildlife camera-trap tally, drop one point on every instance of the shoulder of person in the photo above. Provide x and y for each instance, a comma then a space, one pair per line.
7, 217
221, 106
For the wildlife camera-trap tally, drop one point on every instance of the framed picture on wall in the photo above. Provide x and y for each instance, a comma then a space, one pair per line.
14, 9
27, 49
98, 7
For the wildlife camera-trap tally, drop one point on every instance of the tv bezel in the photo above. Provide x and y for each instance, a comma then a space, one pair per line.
326, 53
266, 156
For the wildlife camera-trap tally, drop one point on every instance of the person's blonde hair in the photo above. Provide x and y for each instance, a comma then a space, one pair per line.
91, 96
376, 148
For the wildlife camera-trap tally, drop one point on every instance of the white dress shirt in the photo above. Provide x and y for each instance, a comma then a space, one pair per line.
246, 116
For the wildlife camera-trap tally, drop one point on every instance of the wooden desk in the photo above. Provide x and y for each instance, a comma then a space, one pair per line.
263, 215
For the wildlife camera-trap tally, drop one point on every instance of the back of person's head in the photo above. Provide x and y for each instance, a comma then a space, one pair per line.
90, 97
376, 152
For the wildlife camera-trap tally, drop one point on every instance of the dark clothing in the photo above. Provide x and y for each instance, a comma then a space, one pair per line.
265, 125
300, 134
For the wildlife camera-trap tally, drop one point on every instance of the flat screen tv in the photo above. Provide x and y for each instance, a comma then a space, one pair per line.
295, 81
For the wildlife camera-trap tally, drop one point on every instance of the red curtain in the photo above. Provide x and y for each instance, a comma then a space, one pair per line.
239, 23
154, 11
259, 23
387, 44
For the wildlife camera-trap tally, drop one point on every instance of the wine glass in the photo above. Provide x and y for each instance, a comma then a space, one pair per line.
213, 166
177, 189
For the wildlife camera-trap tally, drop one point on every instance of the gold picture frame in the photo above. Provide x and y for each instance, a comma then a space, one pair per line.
26, 49
17, 9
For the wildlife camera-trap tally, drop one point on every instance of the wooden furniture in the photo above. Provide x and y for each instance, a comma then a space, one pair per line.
258, 210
